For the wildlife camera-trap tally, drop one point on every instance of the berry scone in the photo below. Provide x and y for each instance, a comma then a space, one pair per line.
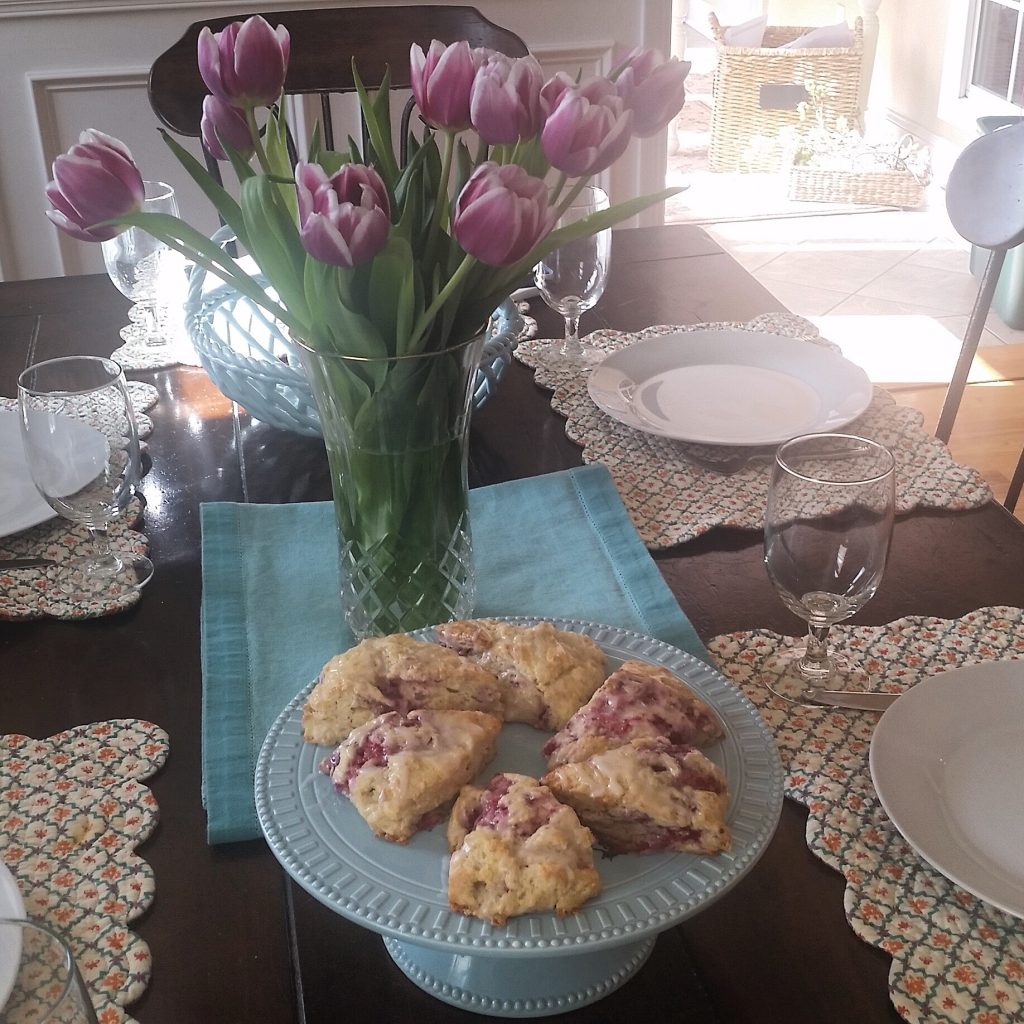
649, 794
516, 850
549, 672
394, 673
401, 771
636, 701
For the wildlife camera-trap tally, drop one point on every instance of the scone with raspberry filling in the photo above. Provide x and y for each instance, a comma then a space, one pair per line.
549, 673
638, 700
394, 673
649, 794
401, 772
517, 850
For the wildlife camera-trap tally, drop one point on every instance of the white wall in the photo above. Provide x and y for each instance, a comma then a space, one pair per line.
72, 64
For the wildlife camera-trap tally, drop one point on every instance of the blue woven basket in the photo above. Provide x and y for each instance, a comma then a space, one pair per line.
252, 360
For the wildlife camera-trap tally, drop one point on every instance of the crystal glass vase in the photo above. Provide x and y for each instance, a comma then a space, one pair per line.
396, 431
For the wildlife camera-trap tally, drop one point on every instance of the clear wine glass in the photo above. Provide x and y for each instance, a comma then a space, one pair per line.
572, 278
82, 448
133, 260
827, 528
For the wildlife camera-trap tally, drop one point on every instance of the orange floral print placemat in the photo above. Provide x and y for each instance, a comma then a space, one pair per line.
675, 492
955, 958
72, 812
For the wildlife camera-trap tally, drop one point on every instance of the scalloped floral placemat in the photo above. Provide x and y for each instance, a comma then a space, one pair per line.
163, 286
955, 958
137, 353
675, 492
33, 593
72, 812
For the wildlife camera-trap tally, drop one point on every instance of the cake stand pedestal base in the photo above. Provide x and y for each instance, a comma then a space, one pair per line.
519, 986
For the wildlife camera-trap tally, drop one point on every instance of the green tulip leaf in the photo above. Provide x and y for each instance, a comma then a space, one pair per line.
225, 203
378, 133
390, 287
274, 242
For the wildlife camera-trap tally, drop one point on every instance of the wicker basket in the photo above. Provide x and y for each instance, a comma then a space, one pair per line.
748, 102
875, 188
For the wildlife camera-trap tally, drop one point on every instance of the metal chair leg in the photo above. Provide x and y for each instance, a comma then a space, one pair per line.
975, 325
1010, 501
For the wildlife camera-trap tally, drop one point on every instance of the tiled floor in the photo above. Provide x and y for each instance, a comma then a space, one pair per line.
893, 288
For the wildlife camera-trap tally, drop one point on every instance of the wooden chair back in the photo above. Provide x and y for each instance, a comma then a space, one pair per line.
323, 43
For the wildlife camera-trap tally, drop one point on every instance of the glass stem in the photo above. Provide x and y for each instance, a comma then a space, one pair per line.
151, 326
104, 561
815, 663
571, 346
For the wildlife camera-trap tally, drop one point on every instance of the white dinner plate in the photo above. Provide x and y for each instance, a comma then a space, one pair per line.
947, 761
21, 505
11, 906
729, 387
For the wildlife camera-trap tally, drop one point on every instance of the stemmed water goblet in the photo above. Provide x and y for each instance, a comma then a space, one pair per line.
133, 260
572, 278
828, 524
82, 448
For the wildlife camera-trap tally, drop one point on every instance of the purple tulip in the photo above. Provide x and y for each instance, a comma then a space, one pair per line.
588, 129
653, 88
344, 219
245, 64
222, 125
554, 88
442, 80
501, 214
505, 103
94, 181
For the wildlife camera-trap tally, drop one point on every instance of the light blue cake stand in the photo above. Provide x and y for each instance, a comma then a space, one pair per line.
537, 964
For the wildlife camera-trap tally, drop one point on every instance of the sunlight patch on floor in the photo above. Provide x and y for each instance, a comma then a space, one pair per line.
899, 349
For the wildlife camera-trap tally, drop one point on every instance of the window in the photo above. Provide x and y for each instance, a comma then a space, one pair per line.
995, 64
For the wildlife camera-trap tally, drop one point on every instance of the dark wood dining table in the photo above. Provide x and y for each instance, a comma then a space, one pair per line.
232, 938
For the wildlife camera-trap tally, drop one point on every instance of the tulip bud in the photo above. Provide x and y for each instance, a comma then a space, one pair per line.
554, 88
588, 130
442, 80
344, 219
653, 88
94, 181
244, 65
223, 125
505, 103
501, 214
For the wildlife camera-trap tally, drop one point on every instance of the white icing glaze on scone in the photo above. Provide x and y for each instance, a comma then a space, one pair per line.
637, 700
516, 850
549, 672
649, 794
394, 673
398, 770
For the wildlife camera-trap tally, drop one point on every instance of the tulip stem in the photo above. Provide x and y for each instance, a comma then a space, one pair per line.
441, 203
257, 141
573, 193
441, 206
428, 315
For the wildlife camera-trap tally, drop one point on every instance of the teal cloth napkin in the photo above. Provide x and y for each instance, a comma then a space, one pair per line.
560, 545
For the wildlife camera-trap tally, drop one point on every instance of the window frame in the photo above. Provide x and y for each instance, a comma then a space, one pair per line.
960, 103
